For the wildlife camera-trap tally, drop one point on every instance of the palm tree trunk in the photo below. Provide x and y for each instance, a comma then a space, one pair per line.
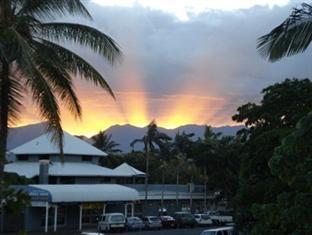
147, 152
4, 110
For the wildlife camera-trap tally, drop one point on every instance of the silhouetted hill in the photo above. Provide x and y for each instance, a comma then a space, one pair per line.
125, 134
20, 135
121, 134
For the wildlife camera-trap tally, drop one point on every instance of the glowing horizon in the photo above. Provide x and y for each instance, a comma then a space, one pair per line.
175, 113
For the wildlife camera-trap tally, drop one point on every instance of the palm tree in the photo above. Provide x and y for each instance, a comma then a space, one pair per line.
152, 139
180, 147
33, 58
105, 143
291, 37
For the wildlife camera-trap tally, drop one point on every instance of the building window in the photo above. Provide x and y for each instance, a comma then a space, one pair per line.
67, 180
23, 157
44, 157
52, 180
86, 158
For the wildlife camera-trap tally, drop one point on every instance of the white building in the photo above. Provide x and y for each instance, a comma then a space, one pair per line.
72, 192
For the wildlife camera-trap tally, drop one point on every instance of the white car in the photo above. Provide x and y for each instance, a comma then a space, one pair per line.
221, 217
219, 231
203, 219
111, 221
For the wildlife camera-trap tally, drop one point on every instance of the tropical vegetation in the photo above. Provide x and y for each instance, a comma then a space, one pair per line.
105, 143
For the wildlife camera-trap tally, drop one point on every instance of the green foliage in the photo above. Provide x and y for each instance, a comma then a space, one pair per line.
265, 175
292, 164
219, 156
12, 198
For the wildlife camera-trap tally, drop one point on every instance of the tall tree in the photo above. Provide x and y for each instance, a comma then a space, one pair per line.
105, 143
33, 58
291, 163
151, 141
218, 156
181, 148
291, 37
282, 106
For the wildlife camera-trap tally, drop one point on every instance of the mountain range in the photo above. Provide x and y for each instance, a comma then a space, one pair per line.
125, 134
121, 134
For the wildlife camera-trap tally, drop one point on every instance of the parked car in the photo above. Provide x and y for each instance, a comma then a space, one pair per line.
134, 223
152, 222
168, 221
184, 219
203, 219
221, 217
111, 221
219, 231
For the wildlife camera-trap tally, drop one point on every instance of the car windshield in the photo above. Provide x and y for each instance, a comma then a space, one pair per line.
167, 218
117, 218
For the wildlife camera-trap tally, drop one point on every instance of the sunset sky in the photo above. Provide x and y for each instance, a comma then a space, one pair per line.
184, 62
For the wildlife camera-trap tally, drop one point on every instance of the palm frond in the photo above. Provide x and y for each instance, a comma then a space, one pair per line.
51, 8
42, 92
50, 65
105, 143
293, 36
15, 95
78, 66
83, 35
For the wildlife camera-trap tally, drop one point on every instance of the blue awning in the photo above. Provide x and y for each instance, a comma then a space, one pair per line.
35, 194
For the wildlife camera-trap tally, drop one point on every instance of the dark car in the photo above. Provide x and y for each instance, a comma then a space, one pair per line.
184, 219
134, 223
168, 221
152, 222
